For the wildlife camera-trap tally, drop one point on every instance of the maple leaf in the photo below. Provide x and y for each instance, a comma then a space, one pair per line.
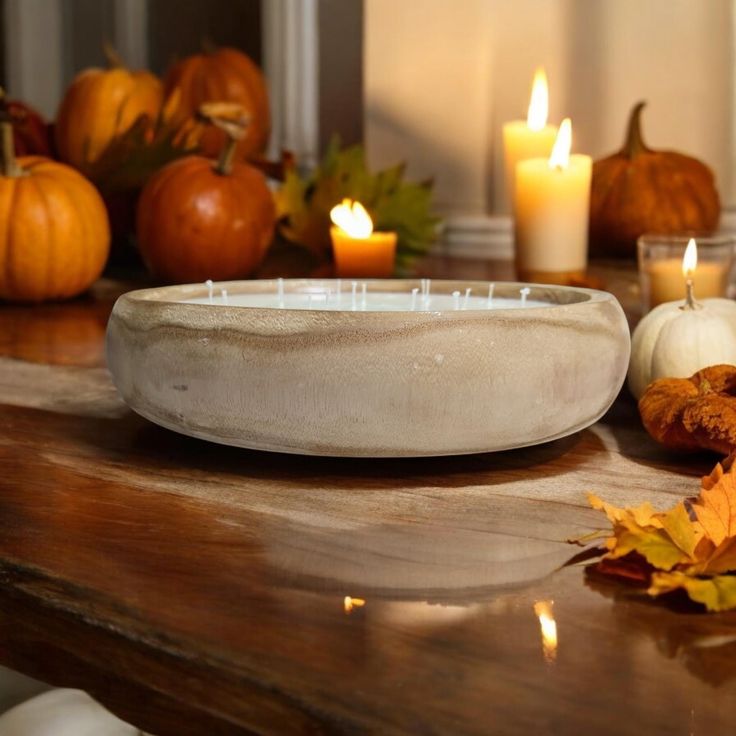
715, 507
655, 546
148, 145
303, 203
644, 515
690, 547
716, 593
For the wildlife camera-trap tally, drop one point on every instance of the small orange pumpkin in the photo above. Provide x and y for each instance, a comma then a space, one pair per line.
198, 219
224, 75
639, 190
55, 236
99, 106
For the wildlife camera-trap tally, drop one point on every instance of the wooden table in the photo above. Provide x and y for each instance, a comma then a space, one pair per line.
199, 589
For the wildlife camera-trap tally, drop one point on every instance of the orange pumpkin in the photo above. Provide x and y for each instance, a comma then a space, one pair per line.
639, 190
99, 106
198, 219
224, 75
55, 236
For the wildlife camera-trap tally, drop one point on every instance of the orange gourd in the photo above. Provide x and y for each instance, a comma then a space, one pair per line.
55, 237
198, 219
639, 190
224, 75
99, 106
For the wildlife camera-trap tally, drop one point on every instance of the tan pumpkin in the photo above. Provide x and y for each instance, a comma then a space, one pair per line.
639, 190
198, 219
99, 106
224, 75
55, 236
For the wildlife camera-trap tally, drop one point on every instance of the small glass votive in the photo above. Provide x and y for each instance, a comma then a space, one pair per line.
660, 267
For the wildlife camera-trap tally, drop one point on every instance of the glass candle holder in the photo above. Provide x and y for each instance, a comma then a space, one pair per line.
660, 267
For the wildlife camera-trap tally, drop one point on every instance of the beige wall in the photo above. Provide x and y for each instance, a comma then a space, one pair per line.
441, 77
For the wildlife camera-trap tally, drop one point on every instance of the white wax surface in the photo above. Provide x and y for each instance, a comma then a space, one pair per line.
373, 301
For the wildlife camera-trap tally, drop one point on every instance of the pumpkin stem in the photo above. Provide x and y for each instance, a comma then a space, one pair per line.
8, 164
634, 144
113, 58
233, 120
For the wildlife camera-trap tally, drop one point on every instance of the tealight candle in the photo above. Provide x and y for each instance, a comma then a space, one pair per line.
660, 268
551, 214
530, 138
358, 250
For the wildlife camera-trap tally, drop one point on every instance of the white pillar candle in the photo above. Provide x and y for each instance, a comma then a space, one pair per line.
530, 138
551, 201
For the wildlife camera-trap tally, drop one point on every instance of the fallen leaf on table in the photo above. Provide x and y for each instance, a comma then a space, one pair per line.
716, 593
715, 508
691, 547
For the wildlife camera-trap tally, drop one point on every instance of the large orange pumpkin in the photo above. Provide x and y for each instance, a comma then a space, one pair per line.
99, 106
55, 236
640, 190
224, 75
198, 219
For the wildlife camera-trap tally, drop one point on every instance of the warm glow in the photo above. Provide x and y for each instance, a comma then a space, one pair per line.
536, 118
349, 603
543, 610
352, 217
690, 259
560, 156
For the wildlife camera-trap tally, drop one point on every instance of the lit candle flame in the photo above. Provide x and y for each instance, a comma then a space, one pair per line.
560, 156
353, 218
349, 603
690, 259
548, 627
536, 117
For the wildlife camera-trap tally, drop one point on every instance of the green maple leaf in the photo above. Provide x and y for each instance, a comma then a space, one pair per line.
304, 203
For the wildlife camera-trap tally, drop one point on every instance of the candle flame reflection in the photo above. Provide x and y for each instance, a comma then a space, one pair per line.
349, 603
548, 627
536, 117
560, 156
690, 259
353, 218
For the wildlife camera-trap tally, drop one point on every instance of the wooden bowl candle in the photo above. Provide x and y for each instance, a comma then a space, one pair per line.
392, 368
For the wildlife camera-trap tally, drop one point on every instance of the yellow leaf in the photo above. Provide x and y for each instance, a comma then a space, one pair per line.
718, 560
716, 593
715, 507
644, 515
679, 527
654, 545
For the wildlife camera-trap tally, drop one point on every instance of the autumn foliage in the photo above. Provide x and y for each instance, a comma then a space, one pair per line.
691, 547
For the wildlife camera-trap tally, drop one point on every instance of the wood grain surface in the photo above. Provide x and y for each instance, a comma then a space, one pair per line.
199, 589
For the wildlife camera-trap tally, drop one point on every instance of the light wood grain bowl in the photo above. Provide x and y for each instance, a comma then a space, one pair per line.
371, 384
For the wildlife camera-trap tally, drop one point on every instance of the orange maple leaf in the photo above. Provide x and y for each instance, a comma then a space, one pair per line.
715, 507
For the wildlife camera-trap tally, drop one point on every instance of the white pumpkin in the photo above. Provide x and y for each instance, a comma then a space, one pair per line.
674, 341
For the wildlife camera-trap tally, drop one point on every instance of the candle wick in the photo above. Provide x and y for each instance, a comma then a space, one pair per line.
690, 302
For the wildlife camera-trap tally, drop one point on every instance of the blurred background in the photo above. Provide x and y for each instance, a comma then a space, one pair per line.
426, 81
